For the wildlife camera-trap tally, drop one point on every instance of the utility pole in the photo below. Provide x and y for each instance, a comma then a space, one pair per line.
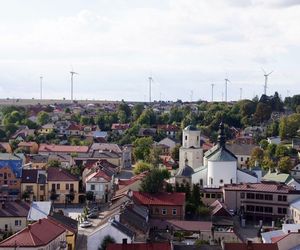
41, 87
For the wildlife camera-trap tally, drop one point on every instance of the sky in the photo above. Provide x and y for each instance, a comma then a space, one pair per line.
115, 45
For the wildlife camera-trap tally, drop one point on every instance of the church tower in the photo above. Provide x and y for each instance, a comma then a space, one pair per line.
191, 152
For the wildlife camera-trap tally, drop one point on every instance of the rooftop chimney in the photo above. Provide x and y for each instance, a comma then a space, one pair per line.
124, 241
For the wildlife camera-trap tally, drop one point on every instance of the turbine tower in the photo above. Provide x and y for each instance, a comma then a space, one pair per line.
226, 83
41, 87
212, 92
241, 93
266, 80
72, 74
150, 83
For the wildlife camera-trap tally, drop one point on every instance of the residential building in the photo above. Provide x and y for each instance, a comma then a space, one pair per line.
70, 225
170, 143
295, 172
250, 246
62, 149
242, 152
46, 129
74, 130
42, 235
120, 128
5, 147
260, 201
168, 129
22, 133
273, 235
114, 228
63, 187
37, 161
274, 140
10, 184
29, 147
101, 184
66, 161
34, 184
140, 246
13, 215
295, 211
162, 205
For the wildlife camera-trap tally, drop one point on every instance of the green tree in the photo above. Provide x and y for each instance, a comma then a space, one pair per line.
153, 182
54, 163
137, 110
43, 118
106, 241
257, 154
285, 164
141, 166
264, 144
283, 128
281, 151
175, 152
142, 148
262, 113
154, 156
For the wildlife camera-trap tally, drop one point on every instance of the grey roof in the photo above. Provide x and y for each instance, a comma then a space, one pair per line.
191, 128
122, 228
186, 171
221, 154
135, 220
68, 221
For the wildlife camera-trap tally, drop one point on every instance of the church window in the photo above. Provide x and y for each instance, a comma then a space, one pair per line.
221, 181
201, 182
186, 137
231, 181
211, 181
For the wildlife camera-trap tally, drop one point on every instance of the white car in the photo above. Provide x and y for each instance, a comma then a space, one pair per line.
85, 224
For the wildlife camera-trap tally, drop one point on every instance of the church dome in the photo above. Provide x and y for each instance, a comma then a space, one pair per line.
191, 128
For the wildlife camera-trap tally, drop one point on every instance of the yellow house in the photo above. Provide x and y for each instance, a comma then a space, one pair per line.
70, 225
34, 185
37, 161
63, 187
13, 215
46, 129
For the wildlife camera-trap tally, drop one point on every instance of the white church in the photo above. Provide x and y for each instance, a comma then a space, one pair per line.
218, 166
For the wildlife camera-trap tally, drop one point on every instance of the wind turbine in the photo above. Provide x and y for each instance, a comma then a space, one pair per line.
150, 91
41, 87
266, 80
212, 92
72, 75
226, 82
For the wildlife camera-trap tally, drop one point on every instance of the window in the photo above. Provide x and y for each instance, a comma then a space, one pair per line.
29, 188
268, 197
53, 186
219, 196
174, 211
250, 196
242, 159
213, 196
18, 223
281, 197
164, 211
72, 186
211, 181
58, 186
67, 186
259, 209
250, 208
156, 210
221, 181
259, 196
186, 137
281, 210
5, 175
268, 210
92, 187
207, 195
242, 195
42, 188
201, 182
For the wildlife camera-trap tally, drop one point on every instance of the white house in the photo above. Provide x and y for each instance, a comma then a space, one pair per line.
295, 211
112, 228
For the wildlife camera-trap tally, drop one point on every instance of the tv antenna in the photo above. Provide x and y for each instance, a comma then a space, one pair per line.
266, 75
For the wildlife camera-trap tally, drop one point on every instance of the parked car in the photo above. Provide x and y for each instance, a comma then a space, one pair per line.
92, 215
85, 224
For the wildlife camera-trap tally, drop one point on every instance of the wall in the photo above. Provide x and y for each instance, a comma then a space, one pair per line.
10, 222
156, 212
225, 171
63, 191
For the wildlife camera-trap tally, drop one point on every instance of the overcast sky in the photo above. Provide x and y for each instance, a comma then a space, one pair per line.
114, 45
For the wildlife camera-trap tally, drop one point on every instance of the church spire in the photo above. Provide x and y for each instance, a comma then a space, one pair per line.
221, 136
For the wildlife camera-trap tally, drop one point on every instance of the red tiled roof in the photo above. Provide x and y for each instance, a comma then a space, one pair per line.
120, 126
261, 187
278, 238
58, 174
219, 208
63, 148
168, 127
165, 199
191, 225
75, 127
140, 246
37, 234
26, 144
14, 209
250, 246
